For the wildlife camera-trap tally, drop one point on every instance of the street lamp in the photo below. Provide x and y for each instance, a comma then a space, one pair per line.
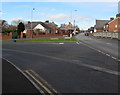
31, 21
74, 19
71, 23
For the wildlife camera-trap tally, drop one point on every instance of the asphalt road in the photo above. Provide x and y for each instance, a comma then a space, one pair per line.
68, 67
13, 81
108, 46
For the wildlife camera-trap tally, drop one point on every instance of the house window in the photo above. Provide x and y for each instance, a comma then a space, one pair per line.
49, 32
57, 32
116, 26
41, 33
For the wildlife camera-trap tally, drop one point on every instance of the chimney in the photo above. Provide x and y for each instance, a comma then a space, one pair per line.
118, 15
111, 18
47, 21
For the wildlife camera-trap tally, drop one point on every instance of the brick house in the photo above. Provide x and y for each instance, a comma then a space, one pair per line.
114, 24
67, 29
41, 29
53, 26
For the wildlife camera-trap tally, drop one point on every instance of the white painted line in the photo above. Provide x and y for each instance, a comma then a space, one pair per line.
99, 68
107, 54
114, 57
61, 43
108, 43
99, 51
102, 52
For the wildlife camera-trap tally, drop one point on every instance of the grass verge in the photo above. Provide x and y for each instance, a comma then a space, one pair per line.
61, 39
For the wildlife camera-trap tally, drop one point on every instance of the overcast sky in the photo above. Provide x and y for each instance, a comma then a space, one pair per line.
84, 13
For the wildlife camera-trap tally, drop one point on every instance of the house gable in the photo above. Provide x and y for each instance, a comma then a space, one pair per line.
39, 26
100, 24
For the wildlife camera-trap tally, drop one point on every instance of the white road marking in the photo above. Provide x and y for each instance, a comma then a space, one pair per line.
107, 54
71, 61
109, 43
103, 52
100, 51
61, 43
114, 57
100, 69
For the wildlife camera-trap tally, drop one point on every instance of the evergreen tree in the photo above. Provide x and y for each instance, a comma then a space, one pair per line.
20, 28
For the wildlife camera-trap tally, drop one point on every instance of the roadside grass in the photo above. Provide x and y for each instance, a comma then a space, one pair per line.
61, 39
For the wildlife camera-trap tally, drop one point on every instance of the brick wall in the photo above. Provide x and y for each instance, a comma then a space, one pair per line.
99, 30
29, 34
3, 36
49, 35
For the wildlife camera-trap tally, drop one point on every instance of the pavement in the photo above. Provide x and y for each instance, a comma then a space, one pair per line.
13, 81
76, 67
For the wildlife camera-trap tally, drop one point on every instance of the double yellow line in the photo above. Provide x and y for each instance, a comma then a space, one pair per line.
39, 80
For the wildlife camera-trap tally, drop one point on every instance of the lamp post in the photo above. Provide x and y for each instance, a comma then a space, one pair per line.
71, 23
31, 21
74, 19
